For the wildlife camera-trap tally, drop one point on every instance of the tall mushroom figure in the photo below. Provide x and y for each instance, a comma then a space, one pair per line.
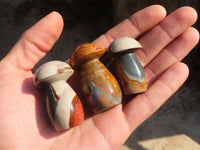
63, 105
98, 85
128, 69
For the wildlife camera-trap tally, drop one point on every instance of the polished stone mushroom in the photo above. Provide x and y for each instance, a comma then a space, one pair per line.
98, 85
63, 105
128, 69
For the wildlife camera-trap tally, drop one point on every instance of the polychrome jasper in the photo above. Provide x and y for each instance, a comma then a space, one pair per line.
98, 85
63, 105
129, 71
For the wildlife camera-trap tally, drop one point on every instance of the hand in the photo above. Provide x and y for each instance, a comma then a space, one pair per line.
24, 122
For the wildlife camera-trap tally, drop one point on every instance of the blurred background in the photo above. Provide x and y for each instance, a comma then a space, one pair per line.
176, 125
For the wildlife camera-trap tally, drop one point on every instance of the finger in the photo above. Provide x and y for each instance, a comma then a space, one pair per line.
134, 26
139, 109
35, 42
174, 52
161, 35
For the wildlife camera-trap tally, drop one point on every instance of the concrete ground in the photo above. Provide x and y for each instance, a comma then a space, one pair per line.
176, 125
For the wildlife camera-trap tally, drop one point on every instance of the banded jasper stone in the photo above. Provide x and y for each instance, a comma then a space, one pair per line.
129, 70
98, 85
63, 105
76, 112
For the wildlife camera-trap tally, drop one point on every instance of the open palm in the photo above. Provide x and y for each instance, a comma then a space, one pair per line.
24, 121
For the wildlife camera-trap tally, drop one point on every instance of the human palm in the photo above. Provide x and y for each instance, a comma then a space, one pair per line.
24, 121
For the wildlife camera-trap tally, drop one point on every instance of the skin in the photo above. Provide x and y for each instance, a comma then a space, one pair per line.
24, 122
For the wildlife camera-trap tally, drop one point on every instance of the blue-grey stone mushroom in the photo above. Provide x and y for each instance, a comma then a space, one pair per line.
129, 70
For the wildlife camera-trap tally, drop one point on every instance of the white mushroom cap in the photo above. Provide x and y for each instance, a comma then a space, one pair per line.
123, 44
52, 71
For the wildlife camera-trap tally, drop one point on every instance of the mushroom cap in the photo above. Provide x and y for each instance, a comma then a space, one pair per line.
85, 52
51, 72
123, 44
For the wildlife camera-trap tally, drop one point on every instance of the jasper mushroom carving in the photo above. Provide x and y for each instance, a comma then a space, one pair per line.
98, 85
63, 105
128, 69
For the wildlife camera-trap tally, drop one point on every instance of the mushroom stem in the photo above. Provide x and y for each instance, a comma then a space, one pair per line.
58, 87
58, 91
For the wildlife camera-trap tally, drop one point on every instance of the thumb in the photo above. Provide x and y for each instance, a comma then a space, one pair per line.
35, 42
